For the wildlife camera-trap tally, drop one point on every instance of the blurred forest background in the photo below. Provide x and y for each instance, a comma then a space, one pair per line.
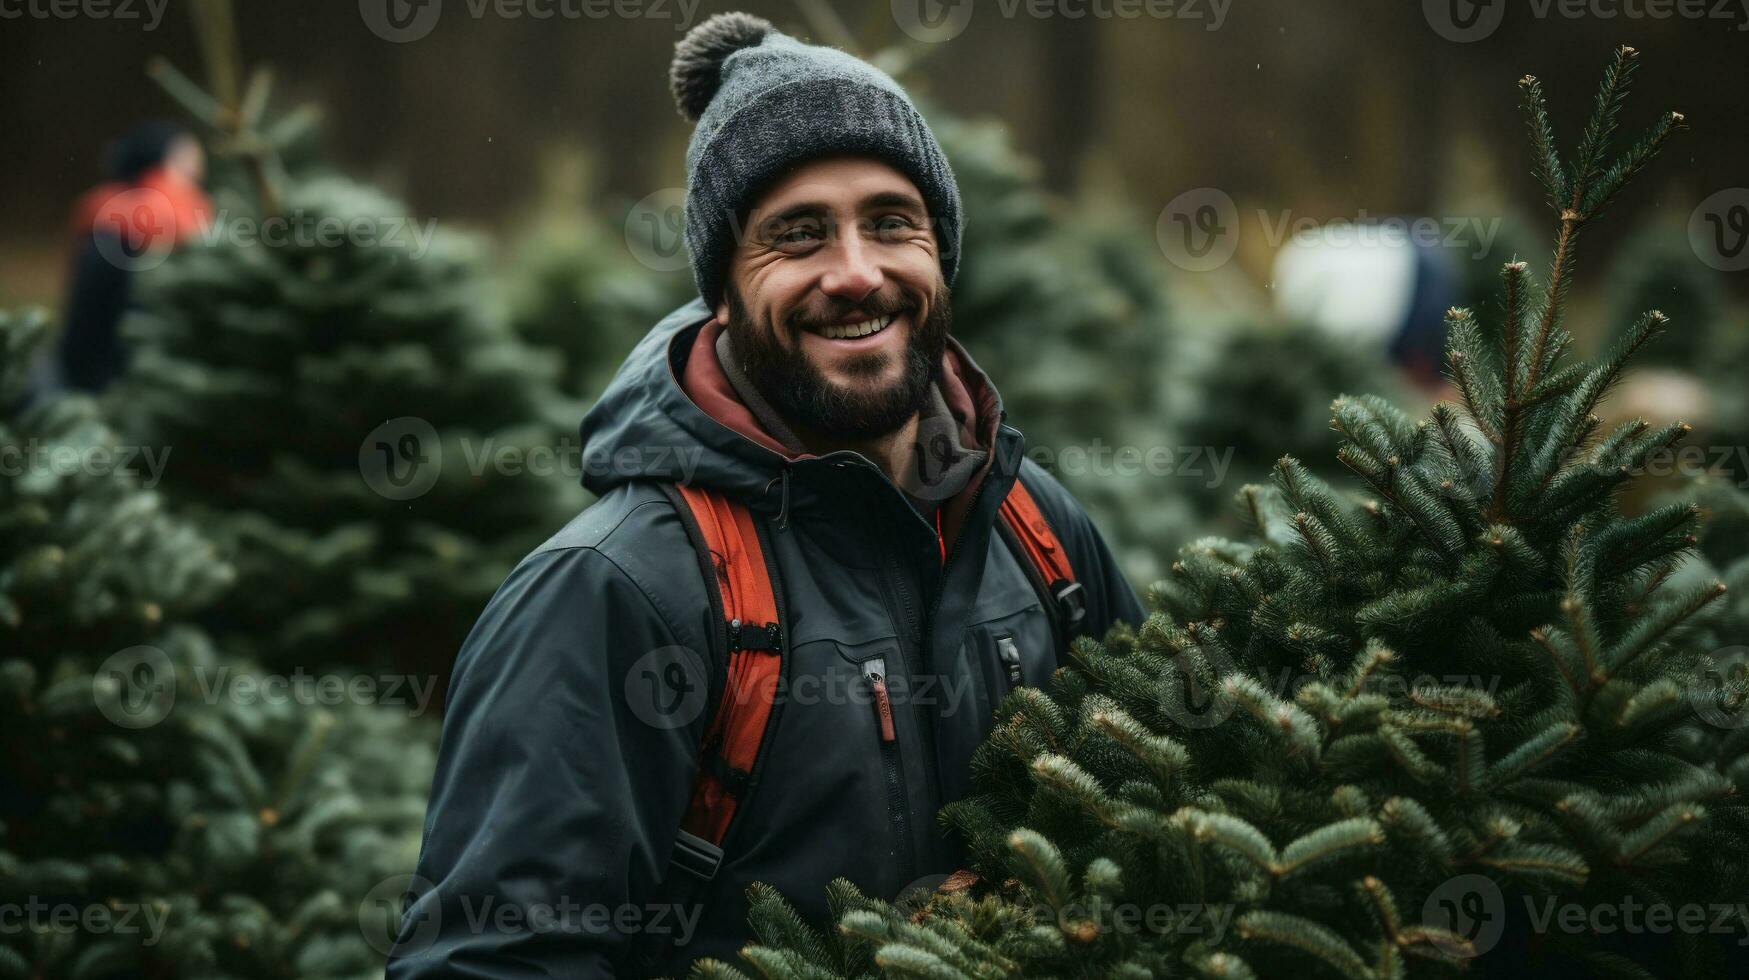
548, 155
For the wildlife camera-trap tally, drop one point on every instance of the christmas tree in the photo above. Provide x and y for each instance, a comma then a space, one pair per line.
1657, 269
164, 812
353, 420
1401, 735
1244, 395
1706, 364
354, 423
1067, 314
576, 286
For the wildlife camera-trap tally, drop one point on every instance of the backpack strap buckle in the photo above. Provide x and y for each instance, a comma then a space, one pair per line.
1071, 601
696, 856
745, 635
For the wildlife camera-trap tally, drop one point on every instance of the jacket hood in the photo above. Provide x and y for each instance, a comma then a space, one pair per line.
671, 415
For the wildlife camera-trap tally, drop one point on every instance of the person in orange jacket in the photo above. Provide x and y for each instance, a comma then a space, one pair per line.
151, 202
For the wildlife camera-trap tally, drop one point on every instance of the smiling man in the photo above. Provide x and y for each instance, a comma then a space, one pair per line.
602, 802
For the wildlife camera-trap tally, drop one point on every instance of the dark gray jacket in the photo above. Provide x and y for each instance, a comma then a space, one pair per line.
580, 697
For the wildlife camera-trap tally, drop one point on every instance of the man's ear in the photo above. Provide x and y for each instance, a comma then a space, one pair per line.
723, 314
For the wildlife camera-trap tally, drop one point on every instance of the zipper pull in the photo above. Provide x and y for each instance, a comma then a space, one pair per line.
874, 670
1010, 655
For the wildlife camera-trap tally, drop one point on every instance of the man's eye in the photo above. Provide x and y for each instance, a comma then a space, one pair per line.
893, 223
797, 235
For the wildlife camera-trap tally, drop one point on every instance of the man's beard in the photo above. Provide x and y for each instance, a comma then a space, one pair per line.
803, 396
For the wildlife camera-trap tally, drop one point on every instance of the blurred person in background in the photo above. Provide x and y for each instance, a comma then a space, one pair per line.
151, 201
1376, 286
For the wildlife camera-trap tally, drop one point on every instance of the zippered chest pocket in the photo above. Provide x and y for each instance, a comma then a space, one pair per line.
1010, 651
1008, 657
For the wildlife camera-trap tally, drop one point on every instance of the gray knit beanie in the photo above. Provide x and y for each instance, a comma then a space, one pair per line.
763, 102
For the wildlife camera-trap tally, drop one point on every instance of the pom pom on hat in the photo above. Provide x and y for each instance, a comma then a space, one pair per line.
696, 71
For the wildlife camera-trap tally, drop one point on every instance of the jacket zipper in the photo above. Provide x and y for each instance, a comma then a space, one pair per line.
895, 786
874, 671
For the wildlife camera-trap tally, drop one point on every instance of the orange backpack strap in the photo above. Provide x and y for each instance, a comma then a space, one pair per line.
1046, 561
750, 655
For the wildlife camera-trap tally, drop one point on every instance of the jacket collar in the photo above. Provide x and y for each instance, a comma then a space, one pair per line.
669, 416
948, 464
964, 407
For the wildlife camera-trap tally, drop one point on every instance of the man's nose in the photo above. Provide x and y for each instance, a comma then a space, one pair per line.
854, 271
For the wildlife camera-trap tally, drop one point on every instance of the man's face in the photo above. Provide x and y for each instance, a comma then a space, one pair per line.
839, 247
